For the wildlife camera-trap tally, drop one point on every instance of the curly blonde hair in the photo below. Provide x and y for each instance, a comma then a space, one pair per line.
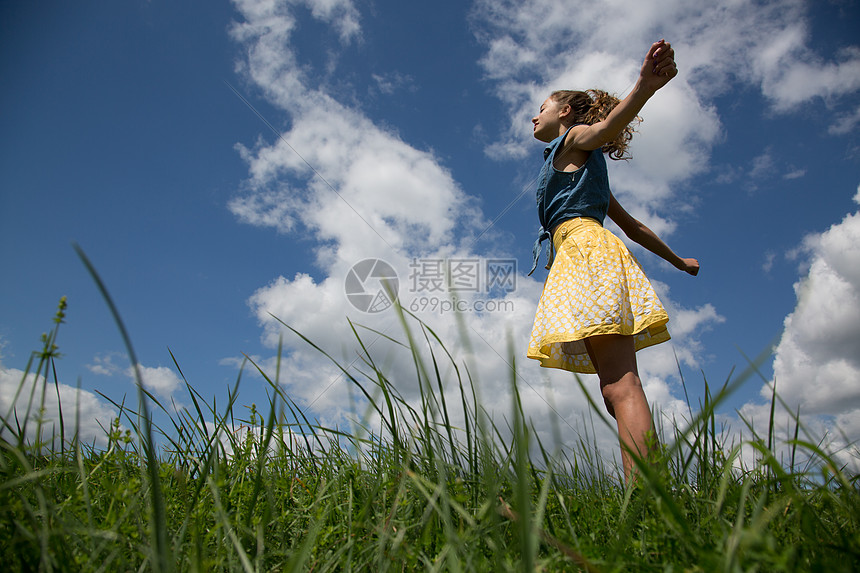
592, 106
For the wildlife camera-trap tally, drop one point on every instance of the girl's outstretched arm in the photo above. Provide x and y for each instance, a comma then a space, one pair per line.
637, 231
657, 70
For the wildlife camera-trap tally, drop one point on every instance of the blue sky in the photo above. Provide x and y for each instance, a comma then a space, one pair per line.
122, 131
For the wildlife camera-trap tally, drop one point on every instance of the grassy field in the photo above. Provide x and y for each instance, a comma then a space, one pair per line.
219, 489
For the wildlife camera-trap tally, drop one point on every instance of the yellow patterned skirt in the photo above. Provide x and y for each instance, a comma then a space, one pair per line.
595, 286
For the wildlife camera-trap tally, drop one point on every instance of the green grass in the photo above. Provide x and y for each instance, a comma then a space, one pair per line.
287, 494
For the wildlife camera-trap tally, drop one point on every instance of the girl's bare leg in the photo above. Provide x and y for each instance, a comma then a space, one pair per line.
614, 359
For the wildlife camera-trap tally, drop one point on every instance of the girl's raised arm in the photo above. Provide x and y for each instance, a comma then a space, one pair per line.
657, 70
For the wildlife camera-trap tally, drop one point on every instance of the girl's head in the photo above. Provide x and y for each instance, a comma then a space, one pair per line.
590, 107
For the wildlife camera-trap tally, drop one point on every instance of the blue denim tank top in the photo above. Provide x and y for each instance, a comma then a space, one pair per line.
562, 195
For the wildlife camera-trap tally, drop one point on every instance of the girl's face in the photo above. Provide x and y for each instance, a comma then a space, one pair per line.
547, 123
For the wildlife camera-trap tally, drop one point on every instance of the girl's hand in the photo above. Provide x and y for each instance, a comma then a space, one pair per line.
659, 66
690, 266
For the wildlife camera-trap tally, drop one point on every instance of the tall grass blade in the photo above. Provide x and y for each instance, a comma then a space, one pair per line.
162, 560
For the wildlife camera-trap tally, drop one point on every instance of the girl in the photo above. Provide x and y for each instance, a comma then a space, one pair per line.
598, 307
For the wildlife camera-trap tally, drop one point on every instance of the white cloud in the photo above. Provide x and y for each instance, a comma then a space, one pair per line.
762, 165
799, 80
817, 364
103, 365
159, 380
845, 122
835, 435
769, 259
340, 14
393, 82
368, 191
93, 414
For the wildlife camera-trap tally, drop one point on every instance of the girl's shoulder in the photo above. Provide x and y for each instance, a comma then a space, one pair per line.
560, 141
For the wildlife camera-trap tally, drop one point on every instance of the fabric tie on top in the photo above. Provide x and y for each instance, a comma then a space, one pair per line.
543, 235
